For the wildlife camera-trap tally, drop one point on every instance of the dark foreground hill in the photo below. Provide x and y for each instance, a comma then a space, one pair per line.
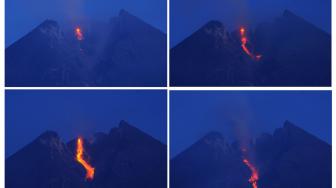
126, 158
126, 51
290, 157
294, 53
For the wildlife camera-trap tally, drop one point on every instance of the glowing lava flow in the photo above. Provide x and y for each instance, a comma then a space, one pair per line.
79, 157
254, 177
243, 44
78, 33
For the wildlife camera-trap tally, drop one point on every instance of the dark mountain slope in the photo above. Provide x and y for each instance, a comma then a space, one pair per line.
42, 57
290, 157
294, 53
125, 158
210, 162
294, 158
134, 51
124, 52
211, 56
46, 162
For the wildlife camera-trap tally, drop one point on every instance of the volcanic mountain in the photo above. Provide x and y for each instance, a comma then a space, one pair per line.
125, 157
290, 157
126, 51
292, 51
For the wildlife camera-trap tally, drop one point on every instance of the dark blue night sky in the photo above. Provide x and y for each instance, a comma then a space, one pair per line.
186, 16
73, 113
194, 114
23, 16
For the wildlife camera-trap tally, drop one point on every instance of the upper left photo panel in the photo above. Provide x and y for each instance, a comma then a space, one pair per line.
77, 43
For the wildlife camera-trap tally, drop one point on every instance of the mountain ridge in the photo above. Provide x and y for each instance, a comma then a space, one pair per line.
288, 55
287, 158
129, 160
49, 137
122, 52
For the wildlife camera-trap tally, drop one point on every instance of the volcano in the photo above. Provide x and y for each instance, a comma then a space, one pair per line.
290, 157
125, 51
125, 157
286, 52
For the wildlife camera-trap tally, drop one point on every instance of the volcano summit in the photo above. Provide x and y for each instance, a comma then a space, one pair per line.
125, 157
286, 52
290, 157
123, 52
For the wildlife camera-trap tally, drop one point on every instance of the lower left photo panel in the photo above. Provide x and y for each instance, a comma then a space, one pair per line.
86, 138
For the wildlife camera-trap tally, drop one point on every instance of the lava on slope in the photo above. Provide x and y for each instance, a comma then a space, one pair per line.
79, 33
244, 40
255, 175
79, 157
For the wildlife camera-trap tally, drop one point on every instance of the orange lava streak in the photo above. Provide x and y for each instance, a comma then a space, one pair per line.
244, 47
78, 33
79, 157
255, 176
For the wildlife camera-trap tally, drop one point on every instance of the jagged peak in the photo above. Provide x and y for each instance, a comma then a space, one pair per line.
128, 22
49, 23
126, 130
288, 125
214, 23
212, 141
51, 140
123, 123
301, 22
288, 13
124, 12
49, 135
49, 26
123, 126
216, 29
51, 29
289, 130
215, 139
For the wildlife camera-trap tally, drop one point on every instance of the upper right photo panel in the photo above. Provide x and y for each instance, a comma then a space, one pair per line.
250, 43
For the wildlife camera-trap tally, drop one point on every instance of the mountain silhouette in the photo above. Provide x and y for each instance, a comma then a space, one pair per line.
126, 51
294, 53
290, 157
125, 157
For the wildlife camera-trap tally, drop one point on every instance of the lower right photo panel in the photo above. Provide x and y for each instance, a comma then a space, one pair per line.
250, 139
